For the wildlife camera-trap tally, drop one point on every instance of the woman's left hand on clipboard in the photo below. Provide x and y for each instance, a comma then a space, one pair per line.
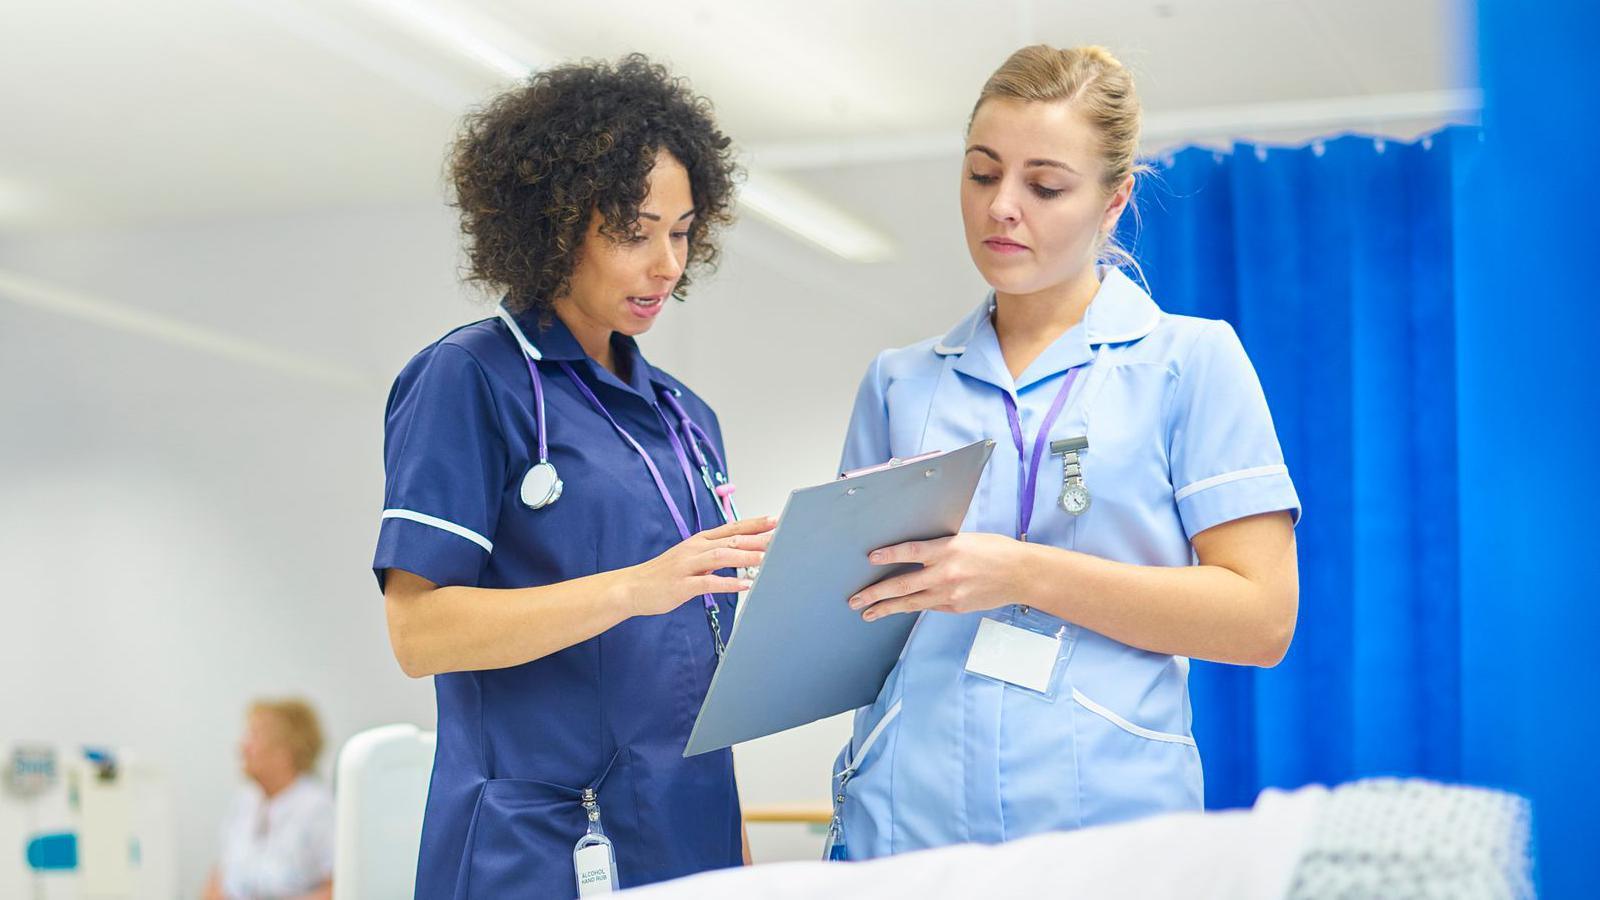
966, 572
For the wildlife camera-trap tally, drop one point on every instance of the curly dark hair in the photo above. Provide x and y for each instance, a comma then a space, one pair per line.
530, 168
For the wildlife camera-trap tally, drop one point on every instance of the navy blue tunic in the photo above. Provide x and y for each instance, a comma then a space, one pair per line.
517, 746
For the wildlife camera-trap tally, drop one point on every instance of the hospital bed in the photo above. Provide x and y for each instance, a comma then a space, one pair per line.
1390, 838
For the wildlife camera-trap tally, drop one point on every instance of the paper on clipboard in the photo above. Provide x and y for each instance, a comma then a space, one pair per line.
798, 652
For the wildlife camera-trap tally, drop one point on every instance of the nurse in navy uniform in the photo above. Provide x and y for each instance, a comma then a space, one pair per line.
557, 545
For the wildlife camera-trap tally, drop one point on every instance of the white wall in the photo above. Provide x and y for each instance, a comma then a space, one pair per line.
181, 530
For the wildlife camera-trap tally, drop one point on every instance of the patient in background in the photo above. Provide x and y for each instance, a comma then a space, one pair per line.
277, 841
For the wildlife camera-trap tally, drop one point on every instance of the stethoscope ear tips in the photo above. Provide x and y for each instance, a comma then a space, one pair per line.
541, 486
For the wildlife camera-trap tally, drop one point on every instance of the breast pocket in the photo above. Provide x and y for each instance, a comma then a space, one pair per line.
1128, 771
1127, 454
1132, 516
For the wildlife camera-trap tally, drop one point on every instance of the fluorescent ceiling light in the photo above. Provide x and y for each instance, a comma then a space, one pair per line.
801, 213
463, 33
315, 24
130, 320
864, 151
782, 203
16, 200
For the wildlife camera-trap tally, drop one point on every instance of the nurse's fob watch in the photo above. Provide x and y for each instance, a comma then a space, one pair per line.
1074, 495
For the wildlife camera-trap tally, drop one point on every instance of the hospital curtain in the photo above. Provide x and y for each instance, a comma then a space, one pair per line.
1527, 325
1335, 262
1423, 319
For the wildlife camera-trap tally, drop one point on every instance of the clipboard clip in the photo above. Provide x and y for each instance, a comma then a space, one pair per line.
893, 462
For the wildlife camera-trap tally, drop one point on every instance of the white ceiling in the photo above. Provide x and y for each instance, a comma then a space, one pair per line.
120, 113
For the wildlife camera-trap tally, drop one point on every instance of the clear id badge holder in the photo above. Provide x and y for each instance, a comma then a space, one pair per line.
833, 848
1021, 646
594, 859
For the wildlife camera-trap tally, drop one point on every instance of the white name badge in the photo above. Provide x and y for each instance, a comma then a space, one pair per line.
1014, 655
594, 870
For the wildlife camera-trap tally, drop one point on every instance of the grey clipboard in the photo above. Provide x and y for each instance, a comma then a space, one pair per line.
798, 652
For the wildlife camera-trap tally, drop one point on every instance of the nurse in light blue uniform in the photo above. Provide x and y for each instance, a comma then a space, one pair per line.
1136, 512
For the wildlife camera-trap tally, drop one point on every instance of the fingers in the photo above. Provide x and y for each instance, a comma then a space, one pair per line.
747, 541
717, 584
916, 602
909, 552
898, 586
755, 525
726, 558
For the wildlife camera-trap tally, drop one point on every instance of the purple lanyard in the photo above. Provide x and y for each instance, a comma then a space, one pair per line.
697, 438
661, 484
655, 474
1030, 479
694, 431
683, 465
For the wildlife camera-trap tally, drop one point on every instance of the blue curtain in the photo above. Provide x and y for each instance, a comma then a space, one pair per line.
1423, 317
1527, 326
1424, 320
1335, 263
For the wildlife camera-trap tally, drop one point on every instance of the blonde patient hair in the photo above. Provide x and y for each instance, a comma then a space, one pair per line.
1101, 89
297, 727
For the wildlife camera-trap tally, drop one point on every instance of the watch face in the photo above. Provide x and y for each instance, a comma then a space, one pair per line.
1074, 499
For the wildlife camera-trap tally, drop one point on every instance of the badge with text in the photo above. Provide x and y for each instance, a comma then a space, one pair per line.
594, 859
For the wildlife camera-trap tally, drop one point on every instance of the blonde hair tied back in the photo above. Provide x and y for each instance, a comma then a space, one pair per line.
1095, 83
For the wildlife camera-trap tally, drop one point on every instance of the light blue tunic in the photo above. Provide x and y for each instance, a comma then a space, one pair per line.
1180, 440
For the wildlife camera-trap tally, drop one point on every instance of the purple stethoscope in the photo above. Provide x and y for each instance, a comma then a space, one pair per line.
542, 485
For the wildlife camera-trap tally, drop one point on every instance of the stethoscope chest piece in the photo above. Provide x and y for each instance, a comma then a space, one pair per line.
541, 486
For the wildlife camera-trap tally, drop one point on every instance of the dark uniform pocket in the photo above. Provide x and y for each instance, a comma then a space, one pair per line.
523, 831
520, 842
